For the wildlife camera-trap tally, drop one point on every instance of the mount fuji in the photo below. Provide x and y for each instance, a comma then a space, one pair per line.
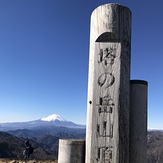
54, 117
52, 120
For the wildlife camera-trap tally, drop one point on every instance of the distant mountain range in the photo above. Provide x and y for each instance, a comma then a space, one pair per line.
52, 120
46, 145
45, 141
155, 129
43, 134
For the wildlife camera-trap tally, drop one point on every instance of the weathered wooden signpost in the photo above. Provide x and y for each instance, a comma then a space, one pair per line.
138, 121
71, 151
107, 137
117, 107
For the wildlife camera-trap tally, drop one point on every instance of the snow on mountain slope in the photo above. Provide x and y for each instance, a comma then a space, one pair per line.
54, 117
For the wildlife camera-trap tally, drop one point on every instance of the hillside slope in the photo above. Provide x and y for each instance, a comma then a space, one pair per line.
46, 146
155, 147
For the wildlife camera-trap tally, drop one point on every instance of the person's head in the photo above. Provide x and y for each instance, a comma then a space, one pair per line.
27, 142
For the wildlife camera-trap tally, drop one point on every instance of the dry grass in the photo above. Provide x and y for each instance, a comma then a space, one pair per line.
27, 161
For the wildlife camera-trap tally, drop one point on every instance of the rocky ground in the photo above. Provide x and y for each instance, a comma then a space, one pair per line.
27, 161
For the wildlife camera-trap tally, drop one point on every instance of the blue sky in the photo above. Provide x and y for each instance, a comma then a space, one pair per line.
44, 52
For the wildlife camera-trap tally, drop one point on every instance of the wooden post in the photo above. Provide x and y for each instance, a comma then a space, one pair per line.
138, 121
107, 133
71, 151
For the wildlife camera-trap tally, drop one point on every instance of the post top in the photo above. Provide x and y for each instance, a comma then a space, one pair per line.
111, 4
72, 141
138, 82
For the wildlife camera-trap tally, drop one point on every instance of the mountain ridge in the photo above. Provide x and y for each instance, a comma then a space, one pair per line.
52, 120
46, 146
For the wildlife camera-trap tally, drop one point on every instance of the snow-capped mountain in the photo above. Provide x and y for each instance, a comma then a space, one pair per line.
54, 117
52, 120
